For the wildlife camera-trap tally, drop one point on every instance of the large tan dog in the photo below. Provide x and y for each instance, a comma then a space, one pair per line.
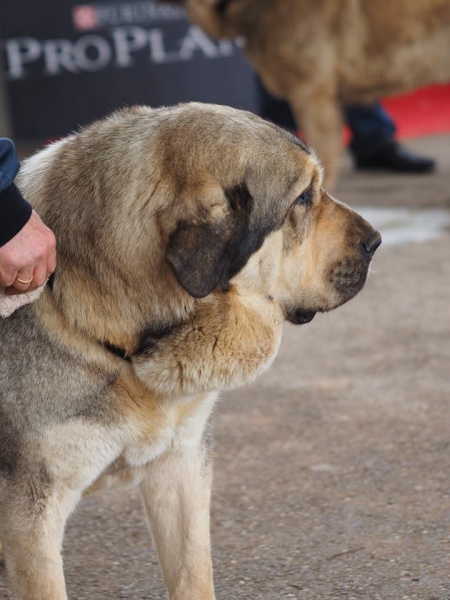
321, 55
186, 237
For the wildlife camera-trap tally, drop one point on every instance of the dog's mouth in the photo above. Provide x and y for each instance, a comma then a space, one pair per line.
301, 317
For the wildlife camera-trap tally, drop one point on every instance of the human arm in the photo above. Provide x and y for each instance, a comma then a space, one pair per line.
27, 246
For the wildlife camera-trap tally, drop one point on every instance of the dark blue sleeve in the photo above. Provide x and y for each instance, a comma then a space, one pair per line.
9, 163
15, 211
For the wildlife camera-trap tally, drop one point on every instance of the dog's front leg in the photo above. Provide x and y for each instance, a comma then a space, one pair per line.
31, 534
177, 499
319, 114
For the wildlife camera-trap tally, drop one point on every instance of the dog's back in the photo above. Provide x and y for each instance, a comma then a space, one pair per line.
392, 47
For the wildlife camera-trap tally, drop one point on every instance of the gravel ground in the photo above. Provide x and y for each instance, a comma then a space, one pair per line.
332, 470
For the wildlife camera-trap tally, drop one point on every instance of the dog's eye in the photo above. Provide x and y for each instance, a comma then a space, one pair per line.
305, 197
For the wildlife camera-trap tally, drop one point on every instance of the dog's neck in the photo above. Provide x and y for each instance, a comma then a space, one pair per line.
119, 352
117, 313
228, 341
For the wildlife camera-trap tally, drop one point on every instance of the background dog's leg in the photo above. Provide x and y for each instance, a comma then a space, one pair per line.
320, 118
32, 535
177, 499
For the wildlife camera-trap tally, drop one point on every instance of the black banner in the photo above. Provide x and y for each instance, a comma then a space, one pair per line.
67, 64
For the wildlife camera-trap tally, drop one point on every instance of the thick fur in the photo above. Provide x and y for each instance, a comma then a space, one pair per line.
186, 237
322, 55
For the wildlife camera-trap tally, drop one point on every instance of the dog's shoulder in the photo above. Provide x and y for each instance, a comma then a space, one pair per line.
44, 380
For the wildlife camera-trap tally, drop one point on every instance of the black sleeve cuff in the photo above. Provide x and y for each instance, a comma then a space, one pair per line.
15, 212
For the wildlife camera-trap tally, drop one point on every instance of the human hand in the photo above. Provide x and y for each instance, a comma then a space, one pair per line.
30, 256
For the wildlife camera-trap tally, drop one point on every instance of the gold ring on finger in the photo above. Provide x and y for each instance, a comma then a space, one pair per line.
23, 281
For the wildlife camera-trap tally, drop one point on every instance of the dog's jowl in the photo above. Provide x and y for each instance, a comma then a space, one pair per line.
186, 237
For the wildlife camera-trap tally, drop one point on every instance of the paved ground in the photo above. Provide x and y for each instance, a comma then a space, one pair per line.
332, 471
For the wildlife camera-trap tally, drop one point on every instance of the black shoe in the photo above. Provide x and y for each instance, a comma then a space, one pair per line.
394, 157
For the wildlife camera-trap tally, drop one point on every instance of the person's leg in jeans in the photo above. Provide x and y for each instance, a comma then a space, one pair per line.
371, 128
374, 146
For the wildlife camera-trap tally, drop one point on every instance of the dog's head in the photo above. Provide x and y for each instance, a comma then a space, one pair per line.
195, 228
255, 217
221, 18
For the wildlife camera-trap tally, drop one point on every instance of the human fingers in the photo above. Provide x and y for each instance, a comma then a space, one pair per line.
39, 277
7, 275
42, 264
22, 283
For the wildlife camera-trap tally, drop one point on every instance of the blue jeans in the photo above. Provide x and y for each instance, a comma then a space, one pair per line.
9, 163
371, 128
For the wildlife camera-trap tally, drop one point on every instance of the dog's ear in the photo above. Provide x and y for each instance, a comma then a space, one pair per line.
197, 253
208, 252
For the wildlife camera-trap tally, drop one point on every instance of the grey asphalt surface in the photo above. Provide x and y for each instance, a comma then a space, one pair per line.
332, 471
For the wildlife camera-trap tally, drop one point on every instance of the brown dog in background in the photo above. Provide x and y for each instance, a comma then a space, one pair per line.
322, 55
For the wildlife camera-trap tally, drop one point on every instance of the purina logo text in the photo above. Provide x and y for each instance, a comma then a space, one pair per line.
89, 17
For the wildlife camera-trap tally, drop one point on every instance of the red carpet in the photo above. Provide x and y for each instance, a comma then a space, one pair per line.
423, 112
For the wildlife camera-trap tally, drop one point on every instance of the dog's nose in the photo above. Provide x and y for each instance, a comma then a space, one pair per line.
371, 243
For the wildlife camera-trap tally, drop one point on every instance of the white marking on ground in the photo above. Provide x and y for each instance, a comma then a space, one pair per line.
404, 225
